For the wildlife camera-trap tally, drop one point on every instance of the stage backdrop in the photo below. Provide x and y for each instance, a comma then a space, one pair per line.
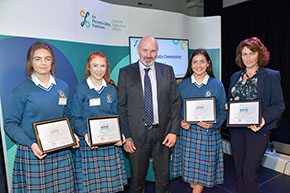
76, 28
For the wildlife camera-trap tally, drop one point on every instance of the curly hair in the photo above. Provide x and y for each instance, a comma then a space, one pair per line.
255, 45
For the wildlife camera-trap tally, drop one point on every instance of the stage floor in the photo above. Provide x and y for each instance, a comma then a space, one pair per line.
269, 181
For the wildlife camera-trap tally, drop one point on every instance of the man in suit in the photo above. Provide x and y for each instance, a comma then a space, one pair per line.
149, 130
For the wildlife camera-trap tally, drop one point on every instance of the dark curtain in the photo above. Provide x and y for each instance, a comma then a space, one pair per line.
270, 21
212, 8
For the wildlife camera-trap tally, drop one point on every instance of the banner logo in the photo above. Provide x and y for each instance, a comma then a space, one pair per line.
85, 15
93, 21
176, 42
135, 42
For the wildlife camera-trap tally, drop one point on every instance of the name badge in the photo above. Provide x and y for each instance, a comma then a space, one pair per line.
95, 102
62, 101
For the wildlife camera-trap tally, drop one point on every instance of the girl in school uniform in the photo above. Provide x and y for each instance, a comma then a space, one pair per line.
198, 155
41, 97
100, 169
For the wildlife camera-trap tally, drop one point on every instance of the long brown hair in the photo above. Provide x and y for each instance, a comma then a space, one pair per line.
108, 72
203, 52
30, 54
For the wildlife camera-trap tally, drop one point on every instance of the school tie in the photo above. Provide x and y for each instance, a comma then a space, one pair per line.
148, 99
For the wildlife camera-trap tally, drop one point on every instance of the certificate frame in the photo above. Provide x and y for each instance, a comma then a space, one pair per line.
45, 131
104, 130
191, 117
255, 106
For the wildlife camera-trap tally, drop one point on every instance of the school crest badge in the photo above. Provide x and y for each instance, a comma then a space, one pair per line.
109, 98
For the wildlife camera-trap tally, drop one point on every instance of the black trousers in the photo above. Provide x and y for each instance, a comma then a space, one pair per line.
248, 149
139, 161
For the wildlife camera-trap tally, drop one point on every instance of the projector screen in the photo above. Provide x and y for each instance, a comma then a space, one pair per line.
173, 52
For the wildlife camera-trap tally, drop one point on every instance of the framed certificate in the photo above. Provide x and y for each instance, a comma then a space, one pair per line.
200, 109
104, 130
244, 113
53, 135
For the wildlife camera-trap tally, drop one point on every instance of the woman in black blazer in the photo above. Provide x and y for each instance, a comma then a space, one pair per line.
254, 81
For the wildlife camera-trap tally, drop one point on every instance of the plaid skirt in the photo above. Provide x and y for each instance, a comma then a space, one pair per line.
198, 157
54, 173
100, 170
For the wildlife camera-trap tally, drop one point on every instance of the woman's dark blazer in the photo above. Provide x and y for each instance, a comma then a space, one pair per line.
270, 91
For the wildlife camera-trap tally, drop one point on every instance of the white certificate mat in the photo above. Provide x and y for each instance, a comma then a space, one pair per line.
54, 134
244, 113
104, 130
200, 109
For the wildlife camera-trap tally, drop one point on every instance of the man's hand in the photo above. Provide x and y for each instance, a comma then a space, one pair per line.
129, 145
169, 140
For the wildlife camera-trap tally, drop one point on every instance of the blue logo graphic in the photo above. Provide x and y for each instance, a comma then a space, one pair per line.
85, 15
136, 43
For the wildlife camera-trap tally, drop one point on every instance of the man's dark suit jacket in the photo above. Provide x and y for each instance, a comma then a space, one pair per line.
131, 102
270, 91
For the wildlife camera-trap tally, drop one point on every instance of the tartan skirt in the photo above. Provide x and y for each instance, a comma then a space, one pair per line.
54, 173
198, 157
100, 170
